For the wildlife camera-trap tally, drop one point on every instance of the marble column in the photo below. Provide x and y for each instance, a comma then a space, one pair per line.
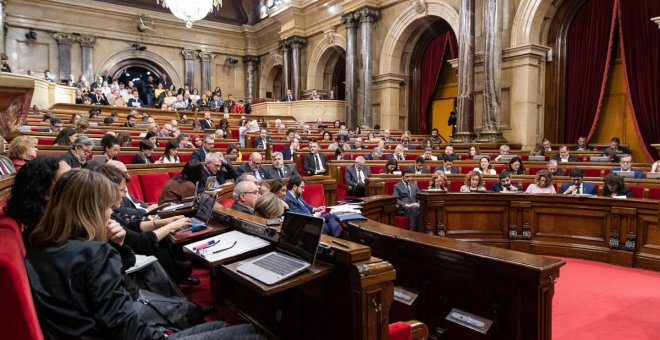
465, 110
350, 21
87, 43
492, 74
296, 44
2, 24
250, 77
285, 45
367, 16
206, 57
64, 41
189, 67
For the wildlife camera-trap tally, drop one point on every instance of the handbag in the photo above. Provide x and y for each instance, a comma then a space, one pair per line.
170, 312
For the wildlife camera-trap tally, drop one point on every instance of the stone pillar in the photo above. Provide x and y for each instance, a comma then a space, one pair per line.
189, 67
492, 74
296, 44
285, 67
465, 111
367, 16
206, 57
251, 65
350, 21
87, 43
64, 41
2, 24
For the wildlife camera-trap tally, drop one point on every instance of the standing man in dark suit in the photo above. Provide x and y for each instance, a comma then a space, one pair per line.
289, 97
419, 167
261, 141
207, 122
297, 204
253, 167
279, 170
406, 193
564, 156
578, 186
207, 147
505, 185
315, 162
287, 152
135, 101
447, 167
355, 177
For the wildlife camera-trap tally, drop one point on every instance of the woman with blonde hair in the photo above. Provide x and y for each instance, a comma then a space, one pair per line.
438, 181
474, 181
269, 206
542, 184
22, 149
76, 275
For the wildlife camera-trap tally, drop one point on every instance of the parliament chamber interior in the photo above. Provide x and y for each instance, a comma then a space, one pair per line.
325, 169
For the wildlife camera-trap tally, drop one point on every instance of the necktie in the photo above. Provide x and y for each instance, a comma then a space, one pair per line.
360, 176
579, 189
409, 190
281, 174
319, 166
400, 157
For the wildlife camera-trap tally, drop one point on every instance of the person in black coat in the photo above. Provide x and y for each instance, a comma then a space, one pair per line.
144, 155
615, 186
288, 97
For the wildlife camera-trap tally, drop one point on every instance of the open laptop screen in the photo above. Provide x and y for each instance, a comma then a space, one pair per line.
300, 235
205, 209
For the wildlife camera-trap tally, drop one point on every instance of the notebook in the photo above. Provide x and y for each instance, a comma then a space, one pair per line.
295, 250
198, 195
225, 246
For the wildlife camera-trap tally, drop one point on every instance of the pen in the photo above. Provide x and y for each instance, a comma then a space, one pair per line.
340, 243
204, 245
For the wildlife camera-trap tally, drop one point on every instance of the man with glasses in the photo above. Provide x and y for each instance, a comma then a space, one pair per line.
356, 176
626, 165
207, 147
253, 166
80, 149
245, 196
293, 197
279, 170
406, 193
216, 165
135, 101
56, 125
577, 186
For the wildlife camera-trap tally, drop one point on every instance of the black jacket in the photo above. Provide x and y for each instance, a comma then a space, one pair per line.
79, 293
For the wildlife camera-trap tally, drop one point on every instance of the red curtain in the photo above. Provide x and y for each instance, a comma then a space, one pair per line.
640, 43
589, 47
432, 62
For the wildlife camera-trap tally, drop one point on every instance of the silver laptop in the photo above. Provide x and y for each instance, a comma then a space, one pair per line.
198, 196
536, 158
204, 211
506, 157
599, 159
478, 157
653, 175
625, 174
295, 250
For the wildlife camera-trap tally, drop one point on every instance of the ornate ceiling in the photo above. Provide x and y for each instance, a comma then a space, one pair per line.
235, 12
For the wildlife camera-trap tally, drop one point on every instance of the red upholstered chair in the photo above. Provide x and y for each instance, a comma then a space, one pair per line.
525, 185
135, 143
465, 169
174, 173
314, 195
411, 157
500, 168
134, 188
126, 158
45, 141
423, 184
591, 172
489, 184
277, 147
134, 133
455, 185
19, 318
341, 185
184, 157
637, 191
534, 170
227, 202
654, 193
152, 185
402, 222
400, 331
245, 156
234, 134
376, 169
606, 172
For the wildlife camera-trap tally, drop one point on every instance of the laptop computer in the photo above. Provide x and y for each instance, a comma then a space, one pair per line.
536, 158
294, 252
204, 211
198, 196
506, 157
653, 175
625, 174
599, 159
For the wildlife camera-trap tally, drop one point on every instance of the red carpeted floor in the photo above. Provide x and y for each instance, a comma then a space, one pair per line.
595, 300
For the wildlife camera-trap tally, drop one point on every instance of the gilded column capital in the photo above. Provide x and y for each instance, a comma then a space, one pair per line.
87, 40
206, 56
64, 38
188, 54
367, 14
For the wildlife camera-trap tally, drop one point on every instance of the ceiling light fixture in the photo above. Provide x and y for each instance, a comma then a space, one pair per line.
191, 10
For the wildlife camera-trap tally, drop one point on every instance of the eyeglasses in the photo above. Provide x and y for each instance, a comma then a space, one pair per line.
256, 192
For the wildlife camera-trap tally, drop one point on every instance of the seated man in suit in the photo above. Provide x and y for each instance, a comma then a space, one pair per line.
376, 154
449, 154
387, 136
315, 162
578, 186
505, 185
207, 122
355, 177
615, 144
129, 205
135, 101
428, 155
245, 196
200, 154
564, 156
287, 152
547, 145
97, 97
419, 167
262, 140
554, 170
447, 167
504, 150
289, 97
216, 165
253, 166
56, 126
626, 165
406, 193
280, 170
297, 204
581, 145
358, 144
398, 154
405, 141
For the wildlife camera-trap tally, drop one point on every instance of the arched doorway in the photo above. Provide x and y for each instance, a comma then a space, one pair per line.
273, 84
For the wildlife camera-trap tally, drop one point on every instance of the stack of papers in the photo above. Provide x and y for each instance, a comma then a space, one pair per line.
141, 261
345, 209
225, 246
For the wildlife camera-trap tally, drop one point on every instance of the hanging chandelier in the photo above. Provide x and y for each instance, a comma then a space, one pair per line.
190, 10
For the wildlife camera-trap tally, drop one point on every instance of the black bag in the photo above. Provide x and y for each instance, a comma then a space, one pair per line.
170, 312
